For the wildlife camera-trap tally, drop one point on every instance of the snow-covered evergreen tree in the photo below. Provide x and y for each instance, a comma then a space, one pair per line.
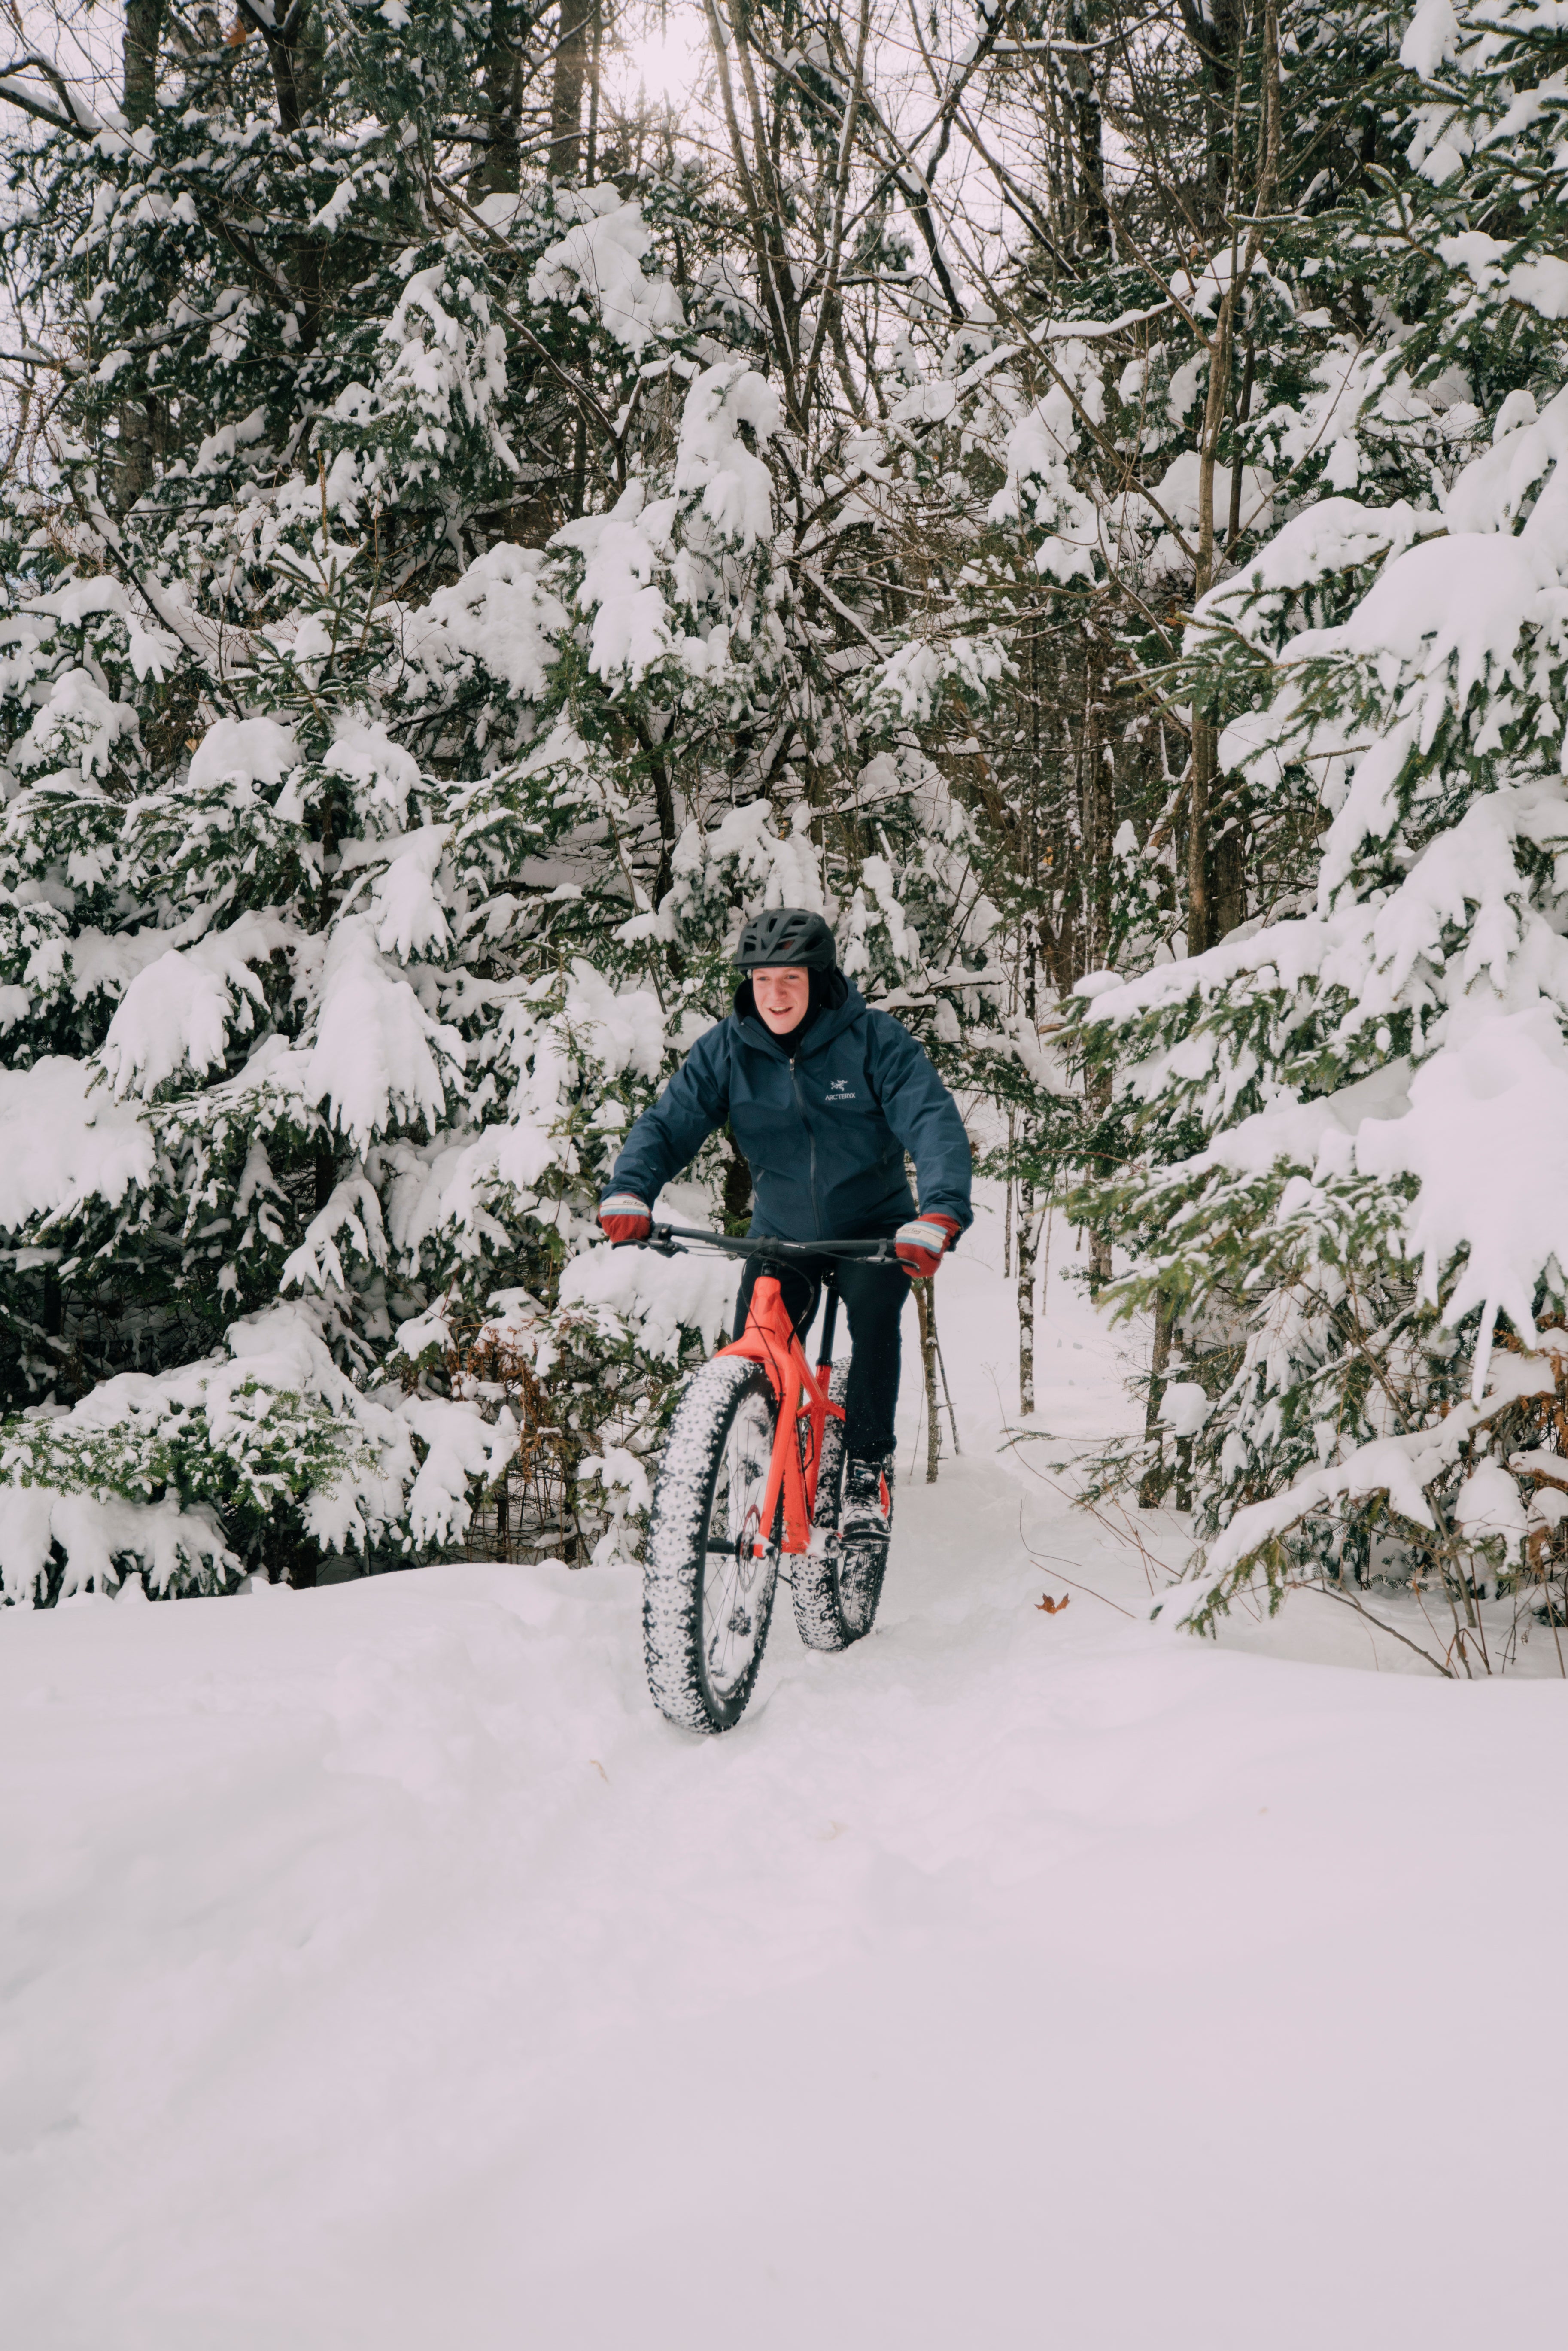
401, 687
1350, 1116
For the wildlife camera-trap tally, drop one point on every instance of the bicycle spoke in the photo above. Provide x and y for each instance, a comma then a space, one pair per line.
736, 1583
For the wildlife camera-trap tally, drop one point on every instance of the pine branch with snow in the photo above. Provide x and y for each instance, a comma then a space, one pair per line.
1348, 1118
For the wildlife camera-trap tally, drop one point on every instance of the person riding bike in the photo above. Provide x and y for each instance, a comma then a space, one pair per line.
823, 1097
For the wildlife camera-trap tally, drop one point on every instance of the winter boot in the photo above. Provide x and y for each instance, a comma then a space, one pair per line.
866, 1517
865, 1522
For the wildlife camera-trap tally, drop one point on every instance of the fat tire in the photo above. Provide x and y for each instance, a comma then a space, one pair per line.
822, 1618
676, 1556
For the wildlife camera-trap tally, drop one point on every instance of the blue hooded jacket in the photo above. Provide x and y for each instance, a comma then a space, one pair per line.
825, 1134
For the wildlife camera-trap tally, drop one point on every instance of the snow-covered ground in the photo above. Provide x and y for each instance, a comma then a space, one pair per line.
378, 1969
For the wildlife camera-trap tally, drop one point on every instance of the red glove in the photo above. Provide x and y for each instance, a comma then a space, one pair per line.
919, 1246
625, 1217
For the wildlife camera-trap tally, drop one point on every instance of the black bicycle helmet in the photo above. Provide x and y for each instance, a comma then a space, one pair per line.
786, 935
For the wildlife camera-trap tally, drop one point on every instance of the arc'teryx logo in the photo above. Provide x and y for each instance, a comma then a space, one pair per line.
839, 1092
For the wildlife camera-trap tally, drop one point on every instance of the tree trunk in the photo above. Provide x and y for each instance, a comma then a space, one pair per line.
1027, 1242
1199, 911
1228, 896
1096, 812
139, 430
926, 1308
1201, 931
295, 65
1092, 222
571, 61
1215, 27
497, 168
139, 421
144, 24
1152, 1485
1217, 867
1182, 1452
591, 165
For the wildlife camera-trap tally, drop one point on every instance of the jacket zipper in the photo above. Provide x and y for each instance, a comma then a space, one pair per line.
811, 1144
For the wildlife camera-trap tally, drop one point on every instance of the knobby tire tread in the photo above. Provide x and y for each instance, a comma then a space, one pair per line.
820, 1617
675, 1554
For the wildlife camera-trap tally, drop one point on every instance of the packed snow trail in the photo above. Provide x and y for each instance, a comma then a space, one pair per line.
380, 1970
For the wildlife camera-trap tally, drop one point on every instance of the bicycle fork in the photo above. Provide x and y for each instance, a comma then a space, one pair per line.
769, 1340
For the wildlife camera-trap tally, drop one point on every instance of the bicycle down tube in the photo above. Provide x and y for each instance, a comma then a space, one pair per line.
769, 1339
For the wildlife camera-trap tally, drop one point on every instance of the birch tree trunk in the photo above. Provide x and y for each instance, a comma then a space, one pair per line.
1028, 1243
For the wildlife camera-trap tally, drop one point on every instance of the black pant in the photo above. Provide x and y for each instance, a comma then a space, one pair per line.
872, 1298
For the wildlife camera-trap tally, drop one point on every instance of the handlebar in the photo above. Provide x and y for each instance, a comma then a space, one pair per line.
670, 1241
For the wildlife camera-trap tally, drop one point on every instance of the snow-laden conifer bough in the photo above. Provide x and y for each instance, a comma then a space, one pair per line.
1352, 1115
350, 845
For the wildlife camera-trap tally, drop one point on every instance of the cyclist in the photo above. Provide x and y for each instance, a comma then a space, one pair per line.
824, 1096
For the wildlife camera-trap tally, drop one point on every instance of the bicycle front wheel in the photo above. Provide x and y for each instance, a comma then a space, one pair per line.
707, 1598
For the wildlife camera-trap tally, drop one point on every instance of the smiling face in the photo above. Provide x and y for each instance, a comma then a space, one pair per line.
781, 996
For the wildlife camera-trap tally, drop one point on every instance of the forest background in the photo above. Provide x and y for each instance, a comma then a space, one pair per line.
489, 492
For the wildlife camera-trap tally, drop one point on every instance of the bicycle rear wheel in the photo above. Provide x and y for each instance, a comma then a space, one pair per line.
835, 1592
707, 1599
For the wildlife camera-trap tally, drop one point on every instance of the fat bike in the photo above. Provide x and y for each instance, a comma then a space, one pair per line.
752, 1474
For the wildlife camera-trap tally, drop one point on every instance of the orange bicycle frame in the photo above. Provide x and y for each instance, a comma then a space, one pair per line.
769, 1340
